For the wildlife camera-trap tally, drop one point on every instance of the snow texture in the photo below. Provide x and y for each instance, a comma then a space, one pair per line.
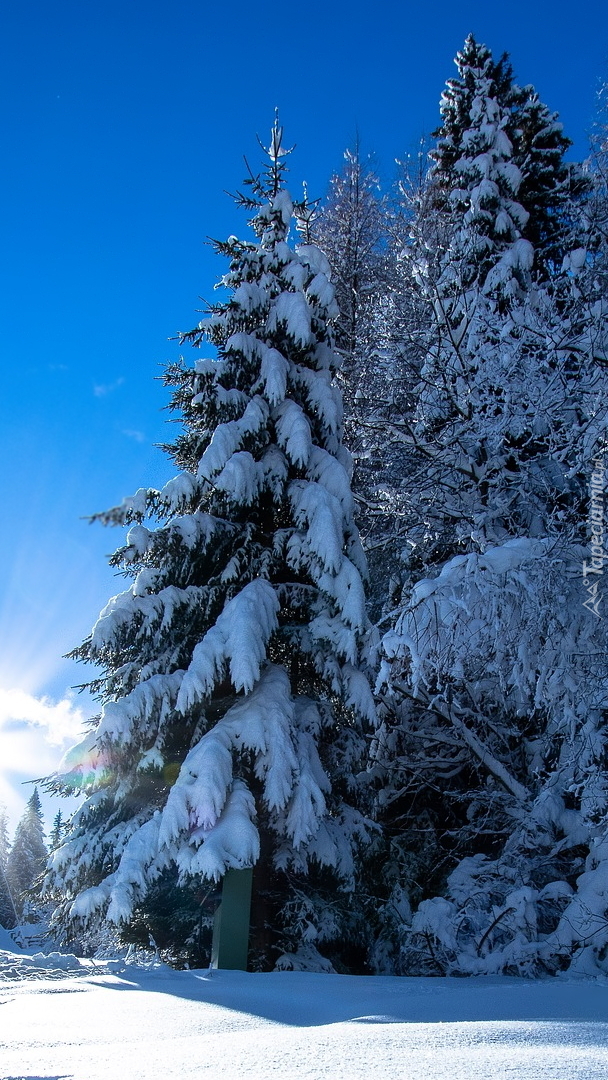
115, 1019
238, 640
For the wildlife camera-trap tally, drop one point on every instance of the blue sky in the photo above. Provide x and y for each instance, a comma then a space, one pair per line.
123, 124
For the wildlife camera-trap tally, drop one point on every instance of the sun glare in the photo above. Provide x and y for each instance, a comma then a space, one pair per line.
34, 734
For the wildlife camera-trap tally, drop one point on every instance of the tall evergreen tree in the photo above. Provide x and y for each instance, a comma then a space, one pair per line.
27, 857
234, 704
8, 912
499, 730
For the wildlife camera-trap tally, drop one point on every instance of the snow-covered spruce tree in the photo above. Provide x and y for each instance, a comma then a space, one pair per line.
488, 320
532, 137
551, 189
8, 912
526, 155
494, 670
234, 704
58, 830
27, 857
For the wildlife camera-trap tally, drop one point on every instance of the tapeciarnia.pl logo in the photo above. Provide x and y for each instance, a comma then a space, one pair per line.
593, 569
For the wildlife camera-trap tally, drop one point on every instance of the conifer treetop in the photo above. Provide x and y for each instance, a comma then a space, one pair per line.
482, 100
27, 856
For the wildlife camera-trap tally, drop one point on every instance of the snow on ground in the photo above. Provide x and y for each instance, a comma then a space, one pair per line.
119, 1022
6, 941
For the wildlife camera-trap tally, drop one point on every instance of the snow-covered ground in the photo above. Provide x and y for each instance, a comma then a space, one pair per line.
68, 1020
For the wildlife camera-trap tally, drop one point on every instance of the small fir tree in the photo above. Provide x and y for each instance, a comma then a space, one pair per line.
57, 832
8, 911
28, 854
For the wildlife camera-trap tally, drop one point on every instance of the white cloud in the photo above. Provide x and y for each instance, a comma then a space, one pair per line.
59, 721
103, 389
35, 732
138, 436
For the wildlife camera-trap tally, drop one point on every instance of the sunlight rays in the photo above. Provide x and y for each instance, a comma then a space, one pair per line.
34, 734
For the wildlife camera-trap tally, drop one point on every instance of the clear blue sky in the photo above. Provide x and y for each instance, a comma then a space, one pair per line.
123, 123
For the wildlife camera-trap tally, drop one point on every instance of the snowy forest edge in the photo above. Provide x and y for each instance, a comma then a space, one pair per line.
450, 339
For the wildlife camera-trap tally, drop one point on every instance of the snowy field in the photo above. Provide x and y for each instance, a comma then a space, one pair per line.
63, 1019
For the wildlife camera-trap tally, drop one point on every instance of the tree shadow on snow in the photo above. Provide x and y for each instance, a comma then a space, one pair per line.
306, 999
